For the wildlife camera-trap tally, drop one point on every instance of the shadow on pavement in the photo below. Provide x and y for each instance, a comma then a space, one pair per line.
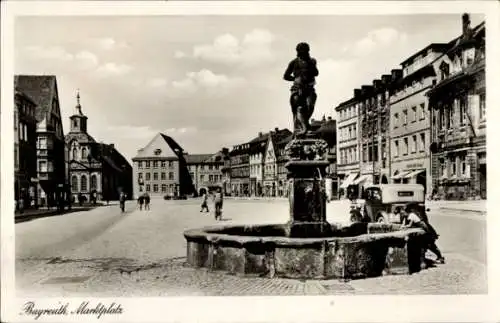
19, 218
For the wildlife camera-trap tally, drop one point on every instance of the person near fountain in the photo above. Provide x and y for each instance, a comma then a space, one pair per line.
412, 219
218, 200
140, 201
302, 71
204, 204
147, 201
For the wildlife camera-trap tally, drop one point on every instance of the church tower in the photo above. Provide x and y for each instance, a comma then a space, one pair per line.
78, 120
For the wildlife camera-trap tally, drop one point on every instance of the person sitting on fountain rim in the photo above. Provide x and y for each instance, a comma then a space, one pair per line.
412, 219
302, 71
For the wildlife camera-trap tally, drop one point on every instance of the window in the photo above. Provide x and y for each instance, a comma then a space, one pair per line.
210, 167
163, 164
163, 176
42, 144
365, 153
442, 120
148, 176
444, 172
405, 117
148, 164
454, 167
170, 164
210, 178
83, 183
84, 153
42, 166
26, 133
462, 104
74, 183
170, 175
75, 153
405, 146
155, 188
163, 188
464, 169
93, 182
139, 175
482, 106
422, 142
414, 144
354, 131
148, 188
155, 164
422, 111
155, 176
396, 120
139, 164
451, 117
350, 133
202, 178
396, 148
413, 114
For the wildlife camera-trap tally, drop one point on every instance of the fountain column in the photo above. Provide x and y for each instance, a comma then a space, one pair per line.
306, 183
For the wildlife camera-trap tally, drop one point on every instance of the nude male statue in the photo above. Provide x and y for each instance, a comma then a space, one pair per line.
302, 71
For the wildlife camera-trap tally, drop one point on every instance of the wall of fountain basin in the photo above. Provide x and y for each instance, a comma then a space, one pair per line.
355, 251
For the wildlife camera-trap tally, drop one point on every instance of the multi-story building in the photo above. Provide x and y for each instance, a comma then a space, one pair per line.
458, 113
348, 140
270, 173
95, 170
226, 172
206, 171
410, 121
51, 166
25, 165
240, 170
160, 168
256, 163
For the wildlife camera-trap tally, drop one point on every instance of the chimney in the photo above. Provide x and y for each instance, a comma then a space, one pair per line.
465, 23
357, 93
386, 79
396, 74
329, 118
377, 84
276, 129
260, 134
366, 89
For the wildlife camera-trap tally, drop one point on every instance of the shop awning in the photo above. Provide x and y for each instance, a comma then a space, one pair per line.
363, 179
414, 173
348, 181
400, 175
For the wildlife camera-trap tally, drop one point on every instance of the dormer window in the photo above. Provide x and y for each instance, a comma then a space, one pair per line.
445, 70
157, 152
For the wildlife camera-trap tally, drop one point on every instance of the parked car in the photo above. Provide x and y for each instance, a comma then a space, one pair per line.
381, 202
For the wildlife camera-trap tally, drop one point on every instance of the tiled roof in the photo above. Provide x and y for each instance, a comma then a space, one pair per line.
198, 158
78, 136
40, 88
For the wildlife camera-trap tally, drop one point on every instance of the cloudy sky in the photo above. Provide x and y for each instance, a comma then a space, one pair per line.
210, 81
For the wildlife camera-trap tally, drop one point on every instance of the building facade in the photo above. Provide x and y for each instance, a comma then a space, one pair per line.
410, 118
161, 169
458, 112
51, 168
240, 170
25, 145
95, 170
270, 173
206, 171
256, 164
281, 160
348, 140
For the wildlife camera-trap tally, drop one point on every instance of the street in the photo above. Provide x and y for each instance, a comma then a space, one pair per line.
104, 253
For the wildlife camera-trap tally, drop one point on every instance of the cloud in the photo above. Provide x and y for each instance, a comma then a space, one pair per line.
254, 48
375, 40
49, 53
113, 69
109, 43
182, 130
86, 60
179, 54
208, 80
157, 82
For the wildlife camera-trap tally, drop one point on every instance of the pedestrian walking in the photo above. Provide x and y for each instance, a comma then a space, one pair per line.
140, 201
412, 219
147, 200
123, 197
204, 205
218, 201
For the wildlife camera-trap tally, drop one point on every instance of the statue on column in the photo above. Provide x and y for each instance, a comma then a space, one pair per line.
302, 71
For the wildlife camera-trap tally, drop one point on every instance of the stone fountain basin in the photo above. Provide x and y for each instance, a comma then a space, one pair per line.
353, 251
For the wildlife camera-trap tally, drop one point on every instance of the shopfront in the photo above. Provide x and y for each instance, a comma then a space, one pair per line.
412, 172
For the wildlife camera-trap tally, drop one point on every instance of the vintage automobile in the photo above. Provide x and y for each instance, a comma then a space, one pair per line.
383, 201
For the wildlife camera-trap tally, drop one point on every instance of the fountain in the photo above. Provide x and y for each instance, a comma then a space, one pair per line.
307, 247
